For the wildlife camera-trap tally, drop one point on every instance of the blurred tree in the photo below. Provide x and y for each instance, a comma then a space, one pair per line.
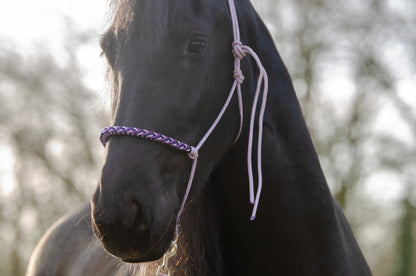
405, 163
347, 60
49, 123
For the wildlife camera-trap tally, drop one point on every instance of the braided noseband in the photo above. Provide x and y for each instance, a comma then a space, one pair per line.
107, 132
239, 51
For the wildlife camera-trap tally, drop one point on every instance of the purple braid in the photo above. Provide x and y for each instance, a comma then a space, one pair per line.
107, 132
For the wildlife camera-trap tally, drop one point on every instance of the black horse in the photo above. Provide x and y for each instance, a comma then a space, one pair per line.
171, 67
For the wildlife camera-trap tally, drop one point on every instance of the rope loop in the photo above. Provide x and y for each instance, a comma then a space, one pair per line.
193, 154
238, 51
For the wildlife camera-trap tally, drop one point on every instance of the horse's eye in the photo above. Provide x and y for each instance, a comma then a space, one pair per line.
197, 46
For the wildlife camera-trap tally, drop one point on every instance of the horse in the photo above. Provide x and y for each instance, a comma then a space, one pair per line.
171, 66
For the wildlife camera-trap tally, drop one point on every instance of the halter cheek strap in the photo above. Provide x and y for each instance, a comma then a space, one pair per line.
239, 52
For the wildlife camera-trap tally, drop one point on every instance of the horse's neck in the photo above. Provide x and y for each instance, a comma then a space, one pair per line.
296, 223
299, 230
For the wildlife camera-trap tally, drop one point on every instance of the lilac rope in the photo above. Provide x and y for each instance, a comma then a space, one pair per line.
239, 52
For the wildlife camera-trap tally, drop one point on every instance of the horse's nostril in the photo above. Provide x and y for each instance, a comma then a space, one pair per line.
131, 216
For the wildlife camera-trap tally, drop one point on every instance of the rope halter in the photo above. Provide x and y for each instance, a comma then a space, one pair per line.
239, 51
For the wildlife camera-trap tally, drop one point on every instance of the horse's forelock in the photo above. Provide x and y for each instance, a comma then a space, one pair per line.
153, 13
121, 16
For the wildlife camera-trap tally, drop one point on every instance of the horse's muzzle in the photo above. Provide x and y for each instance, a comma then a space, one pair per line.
127, 230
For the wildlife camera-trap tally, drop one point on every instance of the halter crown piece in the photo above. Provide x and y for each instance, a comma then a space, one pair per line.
239, 51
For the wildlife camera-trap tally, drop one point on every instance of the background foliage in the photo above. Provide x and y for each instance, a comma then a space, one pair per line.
353, 64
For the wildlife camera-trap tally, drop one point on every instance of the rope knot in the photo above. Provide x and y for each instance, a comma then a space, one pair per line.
238, 51
238, 76
193, 154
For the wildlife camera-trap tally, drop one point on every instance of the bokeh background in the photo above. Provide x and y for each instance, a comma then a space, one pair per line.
353, 64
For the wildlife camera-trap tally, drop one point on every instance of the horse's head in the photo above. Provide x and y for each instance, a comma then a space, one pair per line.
171, 67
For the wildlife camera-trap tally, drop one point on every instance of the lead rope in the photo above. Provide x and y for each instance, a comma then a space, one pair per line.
239, 52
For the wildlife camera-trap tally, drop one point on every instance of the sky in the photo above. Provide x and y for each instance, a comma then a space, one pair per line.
29, 26
28, 20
